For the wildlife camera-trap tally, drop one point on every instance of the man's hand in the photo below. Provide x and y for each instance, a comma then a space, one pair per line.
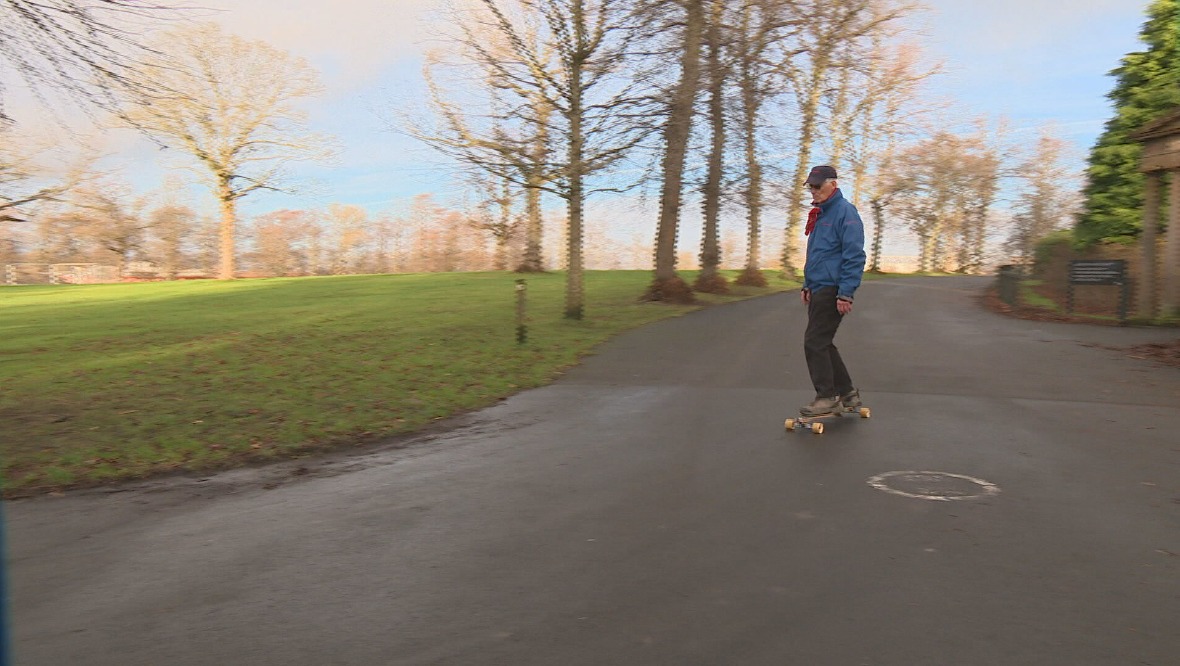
806, 296
843, 306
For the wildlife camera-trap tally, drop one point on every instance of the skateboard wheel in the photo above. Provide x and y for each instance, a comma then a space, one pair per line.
790, 424
817, 428
865, 413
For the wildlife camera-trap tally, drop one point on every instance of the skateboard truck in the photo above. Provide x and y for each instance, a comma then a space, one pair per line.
815, 423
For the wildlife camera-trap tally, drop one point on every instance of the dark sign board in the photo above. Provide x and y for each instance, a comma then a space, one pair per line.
1094, 271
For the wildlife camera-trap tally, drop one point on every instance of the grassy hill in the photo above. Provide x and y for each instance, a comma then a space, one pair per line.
111, 382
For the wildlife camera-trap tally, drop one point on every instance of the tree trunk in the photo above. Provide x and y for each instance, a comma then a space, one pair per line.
878, 235
751, 103
503, 232
710, 280
667, 285
752, 275
927, 250
966, 239
574, 288
227, 202
531, 262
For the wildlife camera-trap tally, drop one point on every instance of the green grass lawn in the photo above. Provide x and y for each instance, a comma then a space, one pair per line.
111, 382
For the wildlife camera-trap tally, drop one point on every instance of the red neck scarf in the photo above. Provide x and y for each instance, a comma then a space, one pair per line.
813, 214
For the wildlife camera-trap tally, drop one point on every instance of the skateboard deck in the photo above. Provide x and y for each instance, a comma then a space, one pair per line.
815, 423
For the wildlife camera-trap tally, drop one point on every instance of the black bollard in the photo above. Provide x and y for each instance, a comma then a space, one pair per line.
522, 331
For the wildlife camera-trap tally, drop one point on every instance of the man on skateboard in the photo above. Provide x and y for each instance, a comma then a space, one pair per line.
831, 275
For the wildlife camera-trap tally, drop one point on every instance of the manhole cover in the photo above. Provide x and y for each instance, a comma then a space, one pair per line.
936, 486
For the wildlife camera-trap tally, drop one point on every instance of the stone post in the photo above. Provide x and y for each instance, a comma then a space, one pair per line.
1170, 266
1151, 220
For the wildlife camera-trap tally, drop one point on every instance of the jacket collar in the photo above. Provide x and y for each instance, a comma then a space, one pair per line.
836, 196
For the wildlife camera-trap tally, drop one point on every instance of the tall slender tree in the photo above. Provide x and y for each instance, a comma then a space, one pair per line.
667, 285
564, 57
763, 28
710, 280
834, 35
884, 117
1048, 198
508, 138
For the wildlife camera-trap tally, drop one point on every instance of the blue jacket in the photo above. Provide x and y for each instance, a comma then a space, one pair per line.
836, 248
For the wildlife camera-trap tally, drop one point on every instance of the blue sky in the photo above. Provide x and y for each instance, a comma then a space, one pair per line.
1030, 61
1036, 61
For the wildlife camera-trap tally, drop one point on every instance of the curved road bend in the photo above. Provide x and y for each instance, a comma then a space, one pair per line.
649, 508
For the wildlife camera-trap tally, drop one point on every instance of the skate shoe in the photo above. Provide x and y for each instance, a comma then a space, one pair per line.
821, 406
851, 400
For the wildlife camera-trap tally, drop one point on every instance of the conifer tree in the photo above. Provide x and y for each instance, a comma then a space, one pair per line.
1148, 85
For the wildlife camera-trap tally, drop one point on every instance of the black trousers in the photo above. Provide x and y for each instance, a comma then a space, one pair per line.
828, 373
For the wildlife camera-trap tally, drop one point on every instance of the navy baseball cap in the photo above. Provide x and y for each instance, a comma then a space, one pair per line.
819, 174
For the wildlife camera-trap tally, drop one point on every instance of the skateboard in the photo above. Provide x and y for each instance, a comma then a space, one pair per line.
815, 423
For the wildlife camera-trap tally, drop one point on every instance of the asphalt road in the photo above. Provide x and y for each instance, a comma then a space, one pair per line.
650, 508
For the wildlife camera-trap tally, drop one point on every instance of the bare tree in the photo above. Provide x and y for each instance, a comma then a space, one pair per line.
277, 236
949, 187
13, 244
983, 178
108, 217
833, 36
888, 109
170, 226
18, 190
667, 285
495, 215
60, 238
25, 179
716, 71
765, 29
512, 141
233, 109
1049, 198
710, 279
205, 245
348, 225
555, 65
88, 50
866, 108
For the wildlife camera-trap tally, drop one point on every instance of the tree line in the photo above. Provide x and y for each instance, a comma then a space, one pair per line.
722, 102
731, 102
144, 236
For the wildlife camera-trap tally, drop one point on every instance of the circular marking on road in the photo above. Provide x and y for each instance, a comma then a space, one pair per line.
933, 486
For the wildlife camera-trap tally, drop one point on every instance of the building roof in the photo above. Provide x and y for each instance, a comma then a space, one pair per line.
1166, 125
